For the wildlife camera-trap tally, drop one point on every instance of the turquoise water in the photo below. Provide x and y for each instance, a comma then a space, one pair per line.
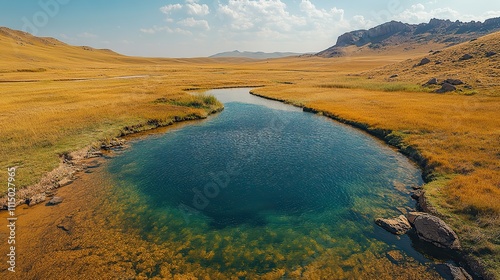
263, 186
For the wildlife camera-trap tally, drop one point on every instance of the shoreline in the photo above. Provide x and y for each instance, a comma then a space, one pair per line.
471, 263
72, 163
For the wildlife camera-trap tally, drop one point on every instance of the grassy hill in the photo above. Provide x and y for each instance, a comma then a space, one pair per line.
481, 71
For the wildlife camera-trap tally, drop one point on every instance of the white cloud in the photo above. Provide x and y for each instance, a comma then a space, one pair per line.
419, 13
191, 22
246, 15
196, 9
168, 9
312, 12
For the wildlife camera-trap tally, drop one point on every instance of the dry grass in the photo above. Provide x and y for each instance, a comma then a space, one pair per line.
457, 134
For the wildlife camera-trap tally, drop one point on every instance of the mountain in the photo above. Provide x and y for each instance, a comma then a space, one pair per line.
394, 33
255, 55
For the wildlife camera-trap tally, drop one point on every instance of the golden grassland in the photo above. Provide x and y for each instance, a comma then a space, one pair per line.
44, 112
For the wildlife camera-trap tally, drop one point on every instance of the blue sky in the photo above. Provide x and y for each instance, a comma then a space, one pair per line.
191, 28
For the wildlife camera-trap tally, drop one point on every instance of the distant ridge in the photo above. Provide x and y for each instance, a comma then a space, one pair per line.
395, 33
255, 55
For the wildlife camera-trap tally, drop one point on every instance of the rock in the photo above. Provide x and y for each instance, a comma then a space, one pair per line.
424, 61
490, 54
424, 204
395, 256
55, 200
432, 81
465, 57
399, 225
446, 88
454, 82
434, 230
416, 194
454, 272
393, 76
36, 199
411, 216
64, 182
67, 223
439, 62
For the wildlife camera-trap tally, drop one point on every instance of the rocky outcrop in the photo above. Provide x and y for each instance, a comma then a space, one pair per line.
398, 226
394, 32
434, 230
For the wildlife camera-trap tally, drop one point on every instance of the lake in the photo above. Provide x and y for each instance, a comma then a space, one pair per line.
265, 190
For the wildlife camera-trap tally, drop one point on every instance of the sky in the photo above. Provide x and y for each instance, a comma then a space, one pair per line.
198, 28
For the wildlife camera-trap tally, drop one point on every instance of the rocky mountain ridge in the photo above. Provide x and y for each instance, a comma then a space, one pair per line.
395, 32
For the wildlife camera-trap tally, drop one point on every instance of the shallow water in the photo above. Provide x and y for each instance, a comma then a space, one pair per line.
264, 189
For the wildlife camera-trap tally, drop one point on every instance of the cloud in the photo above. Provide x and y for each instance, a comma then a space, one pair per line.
312, 12
196, 9
419, 13
258, 15
168, 9
191, 22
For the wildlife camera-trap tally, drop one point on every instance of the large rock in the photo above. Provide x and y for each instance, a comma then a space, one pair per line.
399, 225
490, 54
446, 88
465, 57
432, 81
424, 61
454, 272
454, 82
434, 230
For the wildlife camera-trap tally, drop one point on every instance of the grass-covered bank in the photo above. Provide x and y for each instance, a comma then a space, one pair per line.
440, 133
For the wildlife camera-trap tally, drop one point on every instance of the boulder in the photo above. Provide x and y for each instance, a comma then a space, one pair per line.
465, 57
490, 54
411, 216
432, 81
424, 61
36, 199
393, 76
434, 230
399, 225
446, 88
55, 200
454, 272
454, 82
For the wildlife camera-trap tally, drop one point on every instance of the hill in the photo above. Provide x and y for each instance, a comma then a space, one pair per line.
474, 63
255, 55
406, 36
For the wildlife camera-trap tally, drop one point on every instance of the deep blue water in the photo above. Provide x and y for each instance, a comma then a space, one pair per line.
265, 174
